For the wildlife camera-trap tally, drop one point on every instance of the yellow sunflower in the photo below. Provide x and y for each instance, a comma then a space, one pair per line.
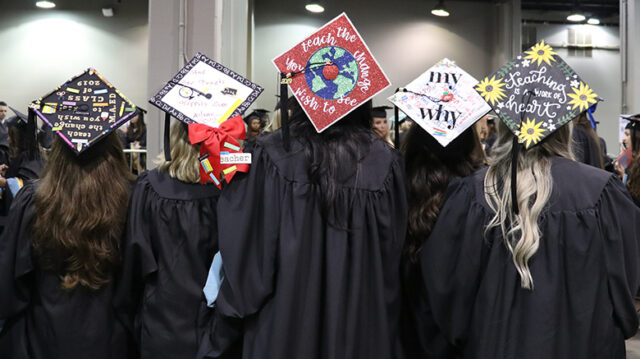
492, 90
530, 132
582, 97
541, 52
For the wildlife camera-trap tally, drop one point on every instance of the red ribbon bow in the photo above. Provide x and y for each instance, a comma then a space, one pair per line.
213, 140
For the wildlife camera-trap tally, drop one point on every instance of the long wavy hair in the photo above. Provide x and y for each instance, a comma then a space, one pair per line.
521, 232
81, 206
331, 154
430, 167
583, 121
184, 164
633, 179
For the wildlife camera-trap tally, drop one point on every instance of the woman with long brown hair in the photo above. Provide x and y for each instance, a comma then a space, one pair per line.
586, 143
58, 255
631, 175
430, 168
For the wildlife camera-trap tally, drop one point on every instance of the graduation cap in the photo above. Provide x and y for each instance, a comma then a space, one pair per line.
259, 113
442, 101
535, 94
210, 98
381, 111
331, 73
84, 109
206, 92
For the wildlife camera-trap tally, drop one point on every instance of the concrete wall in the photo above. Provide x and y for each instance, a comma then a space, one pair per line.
217, 28
405, 44
601, 71
41, 49
630, 21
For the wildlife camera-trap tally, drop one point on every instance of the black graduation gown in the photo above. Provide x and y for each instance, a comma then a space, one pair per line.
171, 239
43, 320
585, 272
302, 288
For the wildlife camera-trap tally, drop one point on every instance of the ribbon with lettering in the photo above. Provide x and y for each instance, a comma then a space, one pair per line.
214, 140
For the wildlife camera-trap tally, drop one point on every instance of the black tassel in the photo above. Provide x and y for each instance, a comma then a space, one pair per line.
284, 111
167, 137
514, 175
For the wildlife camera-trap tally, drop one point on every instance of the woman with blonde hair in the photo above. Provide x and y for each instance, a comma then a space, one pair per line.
536, 256
170, 242
553, 280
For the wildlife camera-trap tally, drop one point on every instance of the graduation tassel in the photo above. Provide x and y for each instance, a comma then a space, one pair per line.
396, 130
32, 130
285, 80
515, 151
167, 136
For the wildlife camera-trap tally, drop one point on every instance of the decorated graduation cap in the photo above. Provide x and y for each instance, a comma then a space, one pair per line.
331, 73
210, 98
442, 101
535, 94
380, 111
84, 109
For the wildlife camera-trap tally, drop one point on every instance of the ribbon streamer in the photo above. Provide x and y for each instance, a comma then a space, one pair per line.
212, 141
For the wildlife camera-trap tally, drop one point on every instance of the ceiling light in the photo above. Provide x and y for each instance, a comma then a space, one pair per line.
107, 11
440, 10
593, 21
45, 4
315, 7
576, 17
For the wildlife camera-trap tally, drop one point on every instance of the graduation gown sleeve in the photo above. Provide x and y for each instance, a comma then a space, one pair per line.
451, 261
248, 212
15, 256
619, 222
138, 259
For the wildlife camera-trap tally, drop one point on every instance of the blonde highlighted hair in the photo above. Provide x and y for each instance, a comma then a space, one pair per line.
184, 164
521, 232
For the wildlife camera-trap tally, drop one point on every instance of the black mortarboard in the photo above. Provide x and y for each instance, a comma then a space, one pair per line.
380, 111
255, 114
84, 109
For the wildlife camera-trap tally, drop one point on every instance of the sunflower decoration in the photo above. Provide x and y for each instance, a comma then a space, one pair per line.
582, 97
531, 132
541, 52
491, 89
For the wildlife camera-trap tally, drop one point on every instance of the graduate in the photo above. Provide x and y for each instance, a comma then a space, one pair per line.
62, 243
172, 228
311, 237
540, 260
380, 124
627, 165
433, 158
25, 161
